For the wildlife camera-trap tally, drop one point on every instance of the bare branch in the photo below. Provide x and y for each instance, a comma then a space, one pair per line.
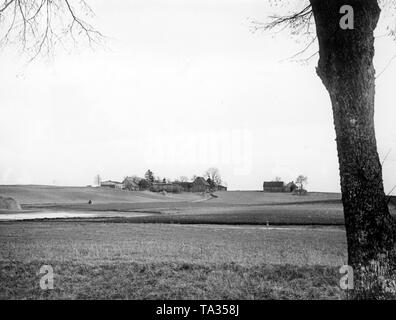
6, 5
302, 16
40, 26
298, 23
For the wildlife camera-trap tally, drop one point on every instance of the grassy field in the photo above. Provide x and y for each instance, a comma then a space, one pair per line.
39, 194
157, 261
302, 214
259, 197
234, 207
187, 246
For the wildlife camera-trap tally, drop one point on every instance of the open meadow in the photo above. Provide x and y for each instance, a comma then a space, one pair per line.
233, 245
146, 261
234, 207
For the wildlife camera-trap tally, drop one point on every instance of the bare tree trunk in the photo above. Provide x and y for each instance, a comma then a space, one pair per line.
347, 71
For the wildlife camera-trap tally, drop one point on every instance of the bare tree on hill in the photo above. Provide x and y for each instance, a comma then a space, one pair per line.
214, 175
301, 180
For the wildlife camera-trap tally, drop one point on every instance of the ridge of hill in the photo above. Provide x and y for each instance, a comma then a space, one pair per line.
40, 194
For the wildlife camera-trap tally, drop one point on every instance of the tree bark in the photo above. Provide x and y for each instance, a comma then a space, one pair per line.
346, 69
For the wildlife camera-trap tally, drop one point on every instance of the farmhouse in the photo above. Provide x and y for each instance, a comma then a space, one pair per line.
130, 184
112, 184
221, 188
200, 185
290, 187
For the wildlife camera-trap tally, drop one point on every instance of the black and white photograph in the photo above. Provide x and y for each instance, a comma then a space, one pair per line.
192, 151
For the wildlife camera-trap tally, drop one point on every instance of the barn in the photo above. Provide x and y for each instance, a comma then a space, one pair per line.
273, 186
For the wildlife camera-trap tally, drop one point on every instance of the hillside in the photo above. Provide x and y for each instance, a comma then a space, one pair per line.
258, 197
38, 194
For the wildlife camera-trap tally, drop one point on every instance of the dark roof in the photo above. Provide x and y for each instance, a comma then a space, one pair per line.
273, 184
291, 184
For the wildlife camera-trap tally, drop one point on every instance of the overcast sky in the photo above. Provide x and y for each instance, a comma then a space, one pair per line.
183, 86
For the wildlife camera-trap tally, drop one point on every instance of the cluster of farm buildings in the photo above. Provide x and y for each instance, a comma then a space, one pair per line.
198, 185
279, 186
